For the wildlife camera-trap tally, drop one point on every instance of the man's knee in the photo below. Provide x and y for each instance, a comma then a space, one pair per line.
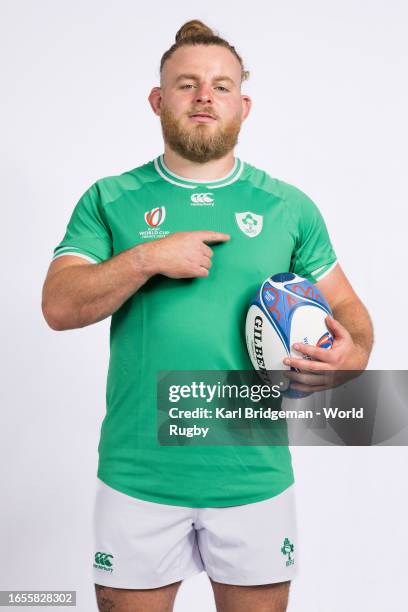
110, 599
265, 597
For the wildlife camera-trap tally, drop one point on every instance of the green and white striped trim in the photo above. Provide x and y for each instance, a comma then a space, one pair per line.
181, 181
60, 251
325, 273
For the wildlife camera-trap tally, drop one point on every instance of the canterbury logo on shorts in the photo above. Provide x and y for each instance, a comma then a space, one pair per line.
103, 561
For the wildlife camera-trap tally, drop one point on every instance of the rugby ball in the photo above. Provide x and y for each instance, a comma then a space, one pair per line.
286, 309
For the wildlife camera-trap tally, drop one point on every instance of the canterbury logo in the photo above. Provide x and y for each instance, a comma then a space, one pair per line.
202, 198
103, 559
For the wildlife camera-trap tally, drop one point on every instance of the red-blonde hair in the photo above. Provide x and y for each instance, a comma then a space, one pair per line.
195, 32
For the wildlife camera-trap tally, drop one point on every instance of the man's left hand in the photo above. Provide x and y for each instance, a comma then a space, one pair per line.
345, 354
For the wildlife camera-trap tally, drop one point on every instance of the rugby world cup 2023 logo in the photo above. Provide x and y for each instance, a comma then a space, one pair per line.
156, 216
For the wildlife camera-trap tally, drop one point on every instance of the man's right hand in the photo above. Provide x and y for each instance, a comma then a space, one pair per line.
182, 255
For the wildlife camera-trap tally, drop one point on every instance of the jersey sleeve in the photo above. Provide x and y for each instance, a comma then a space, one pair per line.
88, 234
313, 256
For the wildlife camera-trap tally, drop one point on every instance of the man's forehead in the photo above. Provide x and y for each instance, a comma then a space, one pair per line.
202, 61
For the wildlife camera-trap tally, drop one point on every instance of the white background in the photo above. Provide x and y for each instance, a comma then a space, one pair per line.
329, 88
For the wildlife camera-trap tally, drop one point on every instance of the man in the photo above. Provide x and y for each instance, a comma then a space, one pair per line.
164, 249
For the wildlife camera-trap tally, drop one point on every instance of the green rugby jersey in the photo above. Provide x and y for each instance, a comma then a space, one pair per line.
191, 324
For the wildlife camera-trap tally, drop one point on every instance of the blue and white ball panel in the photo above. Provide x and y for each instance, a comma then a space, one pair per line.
308, 327
286, 309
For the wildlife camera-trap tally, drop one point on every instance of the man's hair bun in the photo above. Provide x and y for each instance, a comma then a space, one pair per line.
195, 32
193, 29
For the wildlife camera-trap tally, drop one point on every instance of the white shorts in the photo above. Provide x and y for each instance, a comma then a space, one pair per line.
145, 545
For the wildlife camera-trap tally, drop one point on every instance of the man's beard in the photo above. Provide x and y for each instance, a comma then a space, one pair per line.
199, 143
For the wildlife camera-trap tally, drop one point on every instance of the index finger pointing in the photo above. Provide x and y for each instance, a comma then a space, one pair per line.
212, 237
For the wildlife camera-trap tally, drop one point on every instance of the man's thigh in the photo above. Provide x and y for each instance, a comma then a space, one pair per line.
140, 545
262, 598
251, 544
141, 600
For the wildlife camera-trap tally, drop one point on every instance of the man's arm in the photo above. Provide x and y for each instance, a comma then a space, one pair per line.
353, 315
349, 310
77, 293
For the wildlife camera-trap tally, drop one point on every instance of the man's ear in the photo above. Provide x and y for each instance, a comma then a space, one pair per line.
246, 106
155, 99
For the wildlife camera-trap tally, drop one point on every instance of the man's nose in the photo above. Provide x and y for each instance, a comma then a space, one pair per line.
203, 93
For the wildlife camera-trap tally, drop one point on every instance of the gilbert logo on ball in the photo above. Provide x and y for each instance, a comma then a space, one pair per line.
286, 309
